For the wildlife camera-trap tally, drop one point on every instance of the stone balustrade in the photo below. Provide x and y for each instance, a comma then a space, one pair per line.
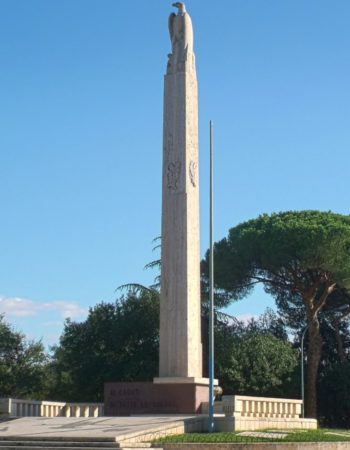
83, 410
13, 407
51, 409
261, 407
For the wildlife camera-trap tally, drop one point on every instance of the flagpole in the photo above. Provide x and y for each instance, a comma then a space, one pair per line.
211, 291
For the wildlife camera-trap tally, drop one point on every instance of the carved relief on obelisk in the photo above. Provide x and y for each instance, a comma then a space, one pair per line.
180, 317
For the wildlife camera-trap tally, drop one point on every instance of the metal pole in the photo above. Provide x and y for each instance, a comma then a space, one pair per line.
211, 292
302, 371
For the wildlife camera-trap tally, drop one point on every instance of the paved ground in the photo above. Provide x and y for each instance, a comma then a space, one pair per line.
100, 427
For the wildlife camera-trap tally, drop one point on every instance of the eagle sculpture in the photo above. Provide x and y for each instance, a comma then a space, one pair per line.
181, 36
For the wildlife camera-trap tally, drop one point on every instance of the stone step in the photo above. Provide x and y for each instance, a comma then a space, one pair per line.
56, 444
35, 443
134, 445
24, 446
60, 439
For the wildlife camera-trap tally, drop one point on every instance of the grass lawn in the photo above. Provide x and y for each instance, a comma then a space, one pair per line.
321, 435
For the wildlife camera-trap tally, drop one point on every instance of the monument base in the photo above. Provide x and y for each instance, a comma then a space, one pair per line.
124, 399
184, 380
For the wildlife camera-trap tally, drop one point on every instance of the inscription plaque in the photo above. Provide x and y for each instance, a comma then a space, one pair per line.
123, 399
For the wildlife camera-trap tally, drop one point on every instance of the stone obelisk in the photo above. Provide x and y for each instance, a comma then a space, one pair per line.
180, 317
180, 388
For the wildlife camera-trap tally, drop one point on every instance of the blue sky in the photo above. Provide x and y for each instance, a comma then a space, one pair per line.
81, 86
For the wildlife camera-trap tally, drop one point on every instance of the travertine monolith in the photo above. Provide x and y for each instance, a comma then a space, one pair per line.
180, 388
180, 319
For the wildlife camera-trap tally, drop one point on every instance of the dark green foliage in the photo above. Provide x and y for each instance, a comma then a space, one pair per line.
22, 364
283, 250
251, 360
262, 366
117, 342
268, 323
334, 396
301, 258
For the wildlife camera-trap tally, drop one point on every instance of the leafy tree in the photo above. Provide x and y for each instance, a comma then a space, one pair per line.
117, 342
268, 323
258, 365
22, 364
255, 358
301, 258
334, 396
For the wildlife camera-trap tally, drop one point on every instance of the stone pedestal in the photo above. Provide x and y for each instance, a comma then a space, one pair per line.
123, 399
183, 380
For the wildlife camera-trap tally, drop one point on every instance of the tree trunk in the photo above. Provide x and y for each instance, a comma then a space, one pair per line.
339, 340
313, 360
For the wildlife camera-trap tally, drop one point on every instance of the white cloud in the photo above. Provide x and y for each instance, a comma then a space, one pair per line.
66, 309
17, 307
23, 307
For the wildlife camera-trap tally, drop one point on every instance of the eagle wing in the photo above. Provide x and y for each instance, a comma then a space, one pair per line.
171, 25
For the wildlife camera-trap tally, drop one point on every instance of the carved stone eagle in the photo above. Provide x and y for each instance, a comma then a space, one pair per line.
181, 36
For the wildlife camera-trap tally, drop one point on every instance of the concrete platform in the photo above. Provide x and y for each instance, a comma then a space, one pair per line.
116, 429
